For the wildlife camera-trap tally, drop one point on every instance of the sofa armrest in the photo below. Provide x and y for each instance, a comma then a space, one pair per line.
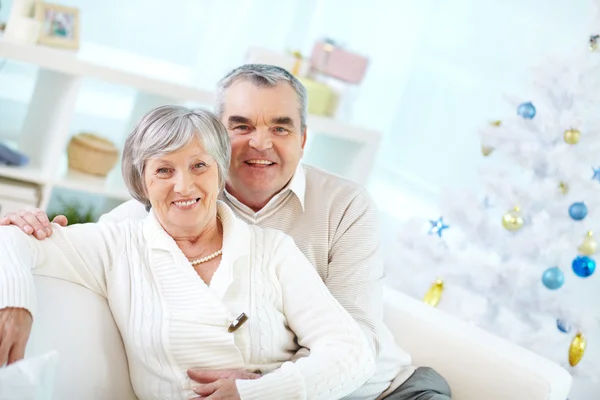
476, 364
79, 325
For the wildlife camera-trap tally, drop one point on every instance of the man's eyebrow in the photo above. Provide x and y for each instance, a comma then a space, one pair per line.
283, 121
238, 119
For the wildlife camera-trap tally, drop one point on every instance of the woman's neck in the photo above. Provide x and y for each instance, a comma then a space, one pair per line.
199, 241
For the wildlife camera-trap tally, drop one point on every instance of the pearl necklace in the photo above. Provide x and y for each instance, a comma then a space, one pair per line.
207, 258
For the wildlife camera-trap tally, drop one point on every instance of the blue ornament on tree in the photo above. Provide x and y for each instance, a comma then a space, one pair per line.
526, 110
437, 227
596, 176
584, 266
553, 278
578, 211
563, 326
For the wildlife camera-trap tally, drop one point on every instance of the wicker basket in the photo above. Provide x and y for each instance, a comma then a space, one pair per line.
92, 154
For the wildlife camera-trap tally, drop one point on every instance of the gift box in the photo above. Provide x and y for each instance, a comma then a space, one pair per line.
322, 99
330, 59
291, 62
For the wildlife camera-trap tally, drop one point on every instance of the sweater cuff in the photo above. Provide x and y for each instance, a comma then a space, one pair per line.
283, 383
17, 289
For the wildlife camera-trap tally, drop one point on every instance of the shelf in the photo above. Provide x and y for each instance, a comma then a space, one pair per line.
28, 174
69, 180
90, 184
69, 63
341, 130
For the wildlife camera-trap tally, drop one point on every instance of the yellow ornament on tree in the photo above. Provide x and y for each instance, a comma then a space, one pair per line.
434, 294
513, 220
564, 188
577, 349
486, 150
589, 245
572, 136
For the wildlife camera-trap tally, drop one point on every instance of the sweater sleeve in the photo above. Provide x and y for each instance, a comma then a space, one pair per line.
355, 271
340, 358
79, 253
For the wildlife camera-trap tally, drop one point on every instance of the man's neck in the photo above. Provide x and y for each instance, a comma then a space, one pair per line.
256, 201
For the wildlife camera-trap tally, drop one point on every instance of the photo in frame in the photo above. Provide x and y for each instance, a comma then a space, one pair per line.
59, 25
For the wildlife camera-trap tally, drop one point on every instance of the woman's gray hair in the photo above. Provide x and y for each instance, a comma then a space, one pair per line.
167, 129
262, 75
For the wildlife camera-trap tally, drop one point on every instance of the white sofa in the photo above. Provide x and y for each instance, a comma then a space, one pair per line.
479, 366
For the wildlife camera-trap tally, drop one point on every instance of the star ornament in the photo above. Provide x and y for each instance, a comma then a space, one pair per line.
437, 227
596, 176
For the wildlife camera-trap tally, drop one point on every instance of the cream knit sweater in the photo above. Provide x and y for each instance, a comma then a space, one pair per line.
171, 321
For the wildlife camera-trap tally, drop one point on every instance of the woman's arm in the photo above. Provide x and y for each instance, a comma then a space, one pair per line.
78, 253
340, 359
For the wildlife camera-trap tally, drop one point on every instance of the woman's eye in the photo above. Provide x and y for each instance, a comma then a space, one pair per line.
199, 165
163, 170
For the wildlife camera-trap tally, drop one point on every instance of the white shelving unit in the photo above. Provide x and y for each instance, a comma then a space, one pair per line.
46, 131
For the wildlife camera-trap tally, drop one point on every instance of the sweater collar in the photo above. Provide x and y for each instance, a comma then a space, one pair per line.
236, 235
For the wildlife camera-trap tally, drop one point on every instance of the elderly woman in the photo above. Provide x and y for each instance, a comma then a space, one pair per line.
191, 285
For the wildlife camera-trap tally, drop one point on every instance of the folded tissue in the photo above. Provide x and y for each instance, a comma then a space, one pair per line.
12, 157
29, 379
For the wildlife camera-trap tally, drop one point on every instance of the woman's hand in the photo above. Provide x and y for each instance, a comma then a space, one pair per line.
15, 327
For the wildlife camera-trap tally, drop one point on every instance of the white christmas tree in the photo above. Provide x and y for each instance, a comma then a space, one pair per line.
519, 260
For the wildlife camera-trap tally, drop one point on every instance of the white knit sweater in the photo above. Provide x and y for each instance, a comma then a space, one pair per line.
171, 320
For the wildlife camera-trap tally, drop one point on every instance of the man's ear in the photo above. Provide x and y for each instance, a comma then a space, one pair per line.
304, 138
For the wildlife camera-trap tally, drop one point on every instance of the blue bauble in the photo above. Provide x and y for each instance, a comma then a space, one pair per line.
553, 278
584, 266
578, 211
526, 110
563, 326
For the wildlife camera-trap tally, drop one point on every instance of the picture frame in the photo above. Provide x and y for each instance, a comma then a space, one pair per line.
59, 25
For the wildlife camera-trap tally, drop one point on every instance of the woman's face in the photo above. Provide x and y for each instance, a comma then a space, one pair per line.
182, 188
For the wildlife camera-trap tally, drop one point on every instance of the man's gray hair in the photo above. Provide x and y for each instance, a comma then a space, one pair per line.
262, 75
167, 129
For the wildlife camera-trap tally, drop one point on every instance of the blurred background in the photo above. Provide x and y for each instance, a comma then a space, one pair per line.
436, 71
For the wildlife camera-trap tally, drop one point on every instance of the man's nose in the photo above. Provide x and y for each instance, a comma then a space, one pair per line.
260, 140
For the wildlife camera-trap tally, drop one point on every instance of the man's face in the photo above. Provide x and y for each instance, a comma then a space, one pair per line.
266, 139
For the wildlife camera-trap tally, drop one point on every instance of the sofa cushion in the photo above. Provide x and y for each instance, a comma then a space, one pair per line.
79, 325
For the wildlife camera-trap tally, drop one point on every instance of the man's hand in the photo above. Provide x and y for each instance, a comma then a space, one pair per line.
15, 327
218, 385
33, 222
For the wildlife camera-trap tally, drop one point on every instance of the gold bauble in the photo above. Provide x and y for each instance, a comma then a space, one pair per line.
512, 220
564, 188
434, 294
486, 150
589, 245
572, 136
577, 349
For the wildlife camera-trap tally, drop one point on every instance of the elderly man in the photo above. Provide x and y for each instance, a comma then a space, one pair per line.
333, 221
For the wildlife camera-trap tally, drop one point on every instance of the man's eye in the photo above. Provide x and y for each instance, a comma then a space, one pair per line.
281, 131
241, 128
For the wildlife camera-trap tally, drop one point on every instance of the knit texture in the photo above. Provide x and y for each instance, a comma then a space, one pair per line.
334, 222
171, 320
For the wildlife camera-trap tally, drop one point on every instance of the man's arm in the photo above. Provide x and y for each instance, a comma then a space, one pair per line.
355, 271
35, 221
